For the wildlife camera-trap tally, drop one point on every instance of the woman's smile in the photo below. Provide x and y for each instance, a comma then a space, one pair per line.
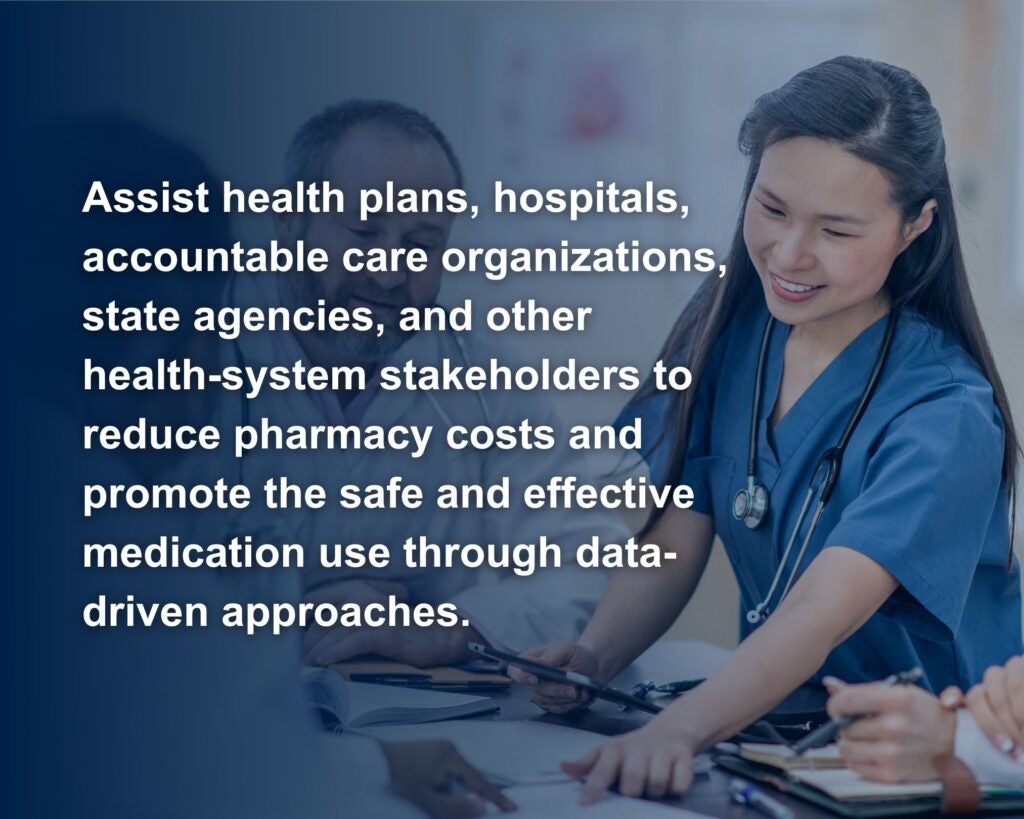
792, 291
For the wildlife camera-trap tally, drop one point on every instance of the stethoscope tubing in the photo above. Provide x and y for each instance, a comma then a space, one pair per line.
826, 473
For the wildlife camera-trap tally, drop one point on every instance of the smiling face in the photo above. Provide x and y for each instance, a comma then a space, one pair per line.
369, 156
823, 233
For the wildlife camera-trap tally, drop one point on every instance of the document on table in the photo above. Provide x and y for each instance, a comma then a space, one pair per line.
508, 753
670, 660
563, 800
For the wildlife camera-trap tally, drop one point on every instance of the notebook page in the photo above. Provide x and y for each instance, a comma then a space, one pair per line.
779, 756
842, 783
365, 699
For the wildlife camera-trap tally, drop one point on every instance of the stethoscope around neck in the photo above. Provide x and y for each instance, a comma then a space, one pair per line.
751, 503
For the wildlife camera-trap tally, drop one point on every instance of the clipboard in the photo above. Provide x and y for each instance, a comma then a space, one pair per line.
546, 672
991, 804
437, 678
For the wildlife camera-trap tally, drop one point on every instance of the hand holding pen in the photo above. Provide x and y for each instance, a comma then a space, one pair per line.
892, 733
841, 719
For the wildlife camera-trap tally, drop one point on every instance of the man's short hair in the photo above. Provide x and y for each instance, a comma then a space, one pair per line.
310, 148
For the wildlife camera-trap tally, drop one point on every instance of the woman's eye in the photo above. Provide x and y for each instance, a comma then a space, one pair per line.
837, 234
771, 210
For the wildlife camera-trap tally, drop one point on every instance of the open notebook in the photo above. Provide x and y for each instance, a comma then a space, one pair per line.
785, 759
823, 769
344, 705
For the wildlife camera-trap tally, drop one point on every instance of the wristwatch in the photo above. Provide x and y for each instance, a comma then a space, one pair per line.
960, 791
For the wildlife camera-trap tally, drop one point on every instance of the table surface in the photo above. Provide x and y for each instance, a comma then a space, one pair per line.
709, 793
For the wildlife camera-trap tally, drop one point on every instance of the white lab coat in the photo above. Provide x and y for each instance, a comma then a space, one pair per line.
515, 613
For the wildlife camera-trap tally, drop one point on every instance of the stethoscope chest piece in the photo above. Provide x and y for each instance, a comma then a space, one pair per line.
751, 503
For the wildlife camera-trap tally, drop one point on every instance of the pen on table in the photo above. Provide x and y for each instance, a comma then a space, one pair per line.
746, 793
827, 732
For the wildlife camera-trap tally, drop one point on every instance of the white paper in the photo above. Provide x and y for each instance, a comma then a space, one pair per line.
507, 753
563, 801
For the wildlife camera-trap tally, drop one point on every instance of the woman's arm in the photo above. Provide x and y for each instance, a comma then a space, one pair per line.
640, 604
836, 595
622, 626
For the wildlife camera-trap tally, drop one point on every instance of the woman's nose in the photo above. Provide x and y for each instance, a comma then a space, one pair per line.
793, 251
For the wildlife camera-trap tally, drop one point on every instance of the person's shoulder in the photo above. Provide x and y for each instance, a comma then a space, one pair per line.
478, 349
928, 366
921, 346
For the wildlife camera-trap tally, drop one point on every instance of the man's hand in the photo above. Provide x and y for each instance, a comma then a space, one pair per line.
427, 774
557, 698
901, 730
415, 645
361, 592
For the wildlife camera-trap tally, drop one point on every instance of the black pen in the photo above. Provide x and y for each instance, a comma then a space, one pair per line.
827, 732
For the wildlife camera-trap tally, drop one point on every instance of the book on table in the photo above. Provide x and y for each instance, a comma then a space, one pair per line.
344, 705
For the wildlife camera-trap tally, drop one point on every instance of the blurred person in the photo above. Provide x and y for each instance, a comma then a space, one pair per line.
367, 144
129, 721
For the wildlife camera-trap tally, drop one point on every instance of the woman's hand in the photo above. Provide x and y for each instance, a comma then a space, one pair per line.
648, 762
558, 698
997, 704
904, 730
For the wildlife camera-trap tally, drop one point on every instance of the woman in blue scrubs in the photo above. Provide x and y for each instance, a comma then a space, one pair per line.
848, 243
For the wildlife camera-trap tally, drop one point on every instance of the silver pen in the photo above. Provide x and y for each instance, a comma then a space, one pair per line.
746, 793
827, 732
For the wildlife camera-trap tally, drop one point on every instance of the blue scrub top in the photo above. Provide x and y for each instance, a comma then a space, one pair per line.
920, 490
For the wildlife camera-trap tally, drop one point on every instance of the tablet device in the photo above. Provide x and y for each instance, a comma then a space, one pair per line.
547, 672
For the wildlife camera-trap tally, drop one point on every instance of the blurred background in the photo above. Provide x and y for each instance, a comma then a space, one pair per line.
553, 95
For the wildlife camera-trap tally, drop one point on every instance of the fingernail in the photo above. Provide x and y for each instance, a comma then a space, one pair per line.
949, 700
1004, 742
831, 681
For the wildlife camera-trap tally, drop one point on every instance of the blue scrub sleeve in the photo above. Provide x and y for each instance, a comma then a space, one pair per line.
929, 494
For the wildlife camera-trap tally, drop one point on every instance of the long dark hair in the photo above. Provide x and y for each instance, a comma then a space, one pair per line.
883, 115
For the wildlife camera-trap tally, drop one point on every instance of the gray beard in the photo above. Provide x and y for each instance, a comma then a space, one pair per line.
365, 347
